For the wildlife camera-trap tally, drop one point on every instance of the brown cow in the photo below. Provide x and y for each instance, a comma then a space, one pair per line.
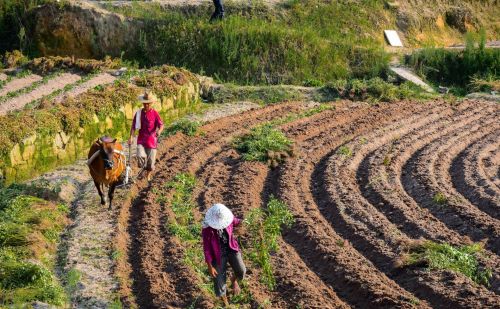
106, 162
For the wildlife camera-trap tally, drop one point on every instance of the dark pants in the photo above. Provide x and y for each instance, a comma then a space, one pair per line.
236, 261
219, 10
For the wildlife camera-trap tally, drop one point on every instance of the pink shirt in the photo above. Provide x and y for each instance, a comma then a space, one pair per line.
211, 245
150, 121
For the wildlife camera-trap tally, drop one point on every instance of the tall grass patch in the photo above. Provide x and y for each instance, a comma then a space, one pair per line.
463, 259
457, 68
298, 42
264, 226
29, 232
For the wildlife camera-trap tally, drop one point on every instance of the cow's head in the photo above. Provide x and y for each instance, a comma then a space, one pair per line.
107, 150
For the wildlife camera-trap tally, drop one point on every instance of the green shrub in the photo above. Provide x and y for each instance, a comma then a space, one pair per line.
262, 143
445, 256
265, 229
345, 151
185, 126
440, 199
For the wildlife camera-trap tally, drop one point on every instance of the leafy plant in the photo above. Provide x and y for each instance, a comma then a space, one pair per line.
345, 151
440, 199
265, 229
185, 126
461, 259
263, 143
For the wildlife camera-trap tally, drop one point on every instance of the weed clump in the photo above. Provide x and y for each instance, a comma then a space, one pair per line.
345, 151
264, 143
461, 259
185, 126
265, 227
440, 199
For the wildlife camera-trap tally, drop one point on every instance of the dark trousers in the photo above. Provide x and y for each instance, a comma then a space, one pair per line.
219, 10
236, 261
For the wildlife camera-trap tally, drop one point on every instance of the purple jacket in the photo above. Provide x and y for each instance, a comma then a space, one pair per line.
211, 246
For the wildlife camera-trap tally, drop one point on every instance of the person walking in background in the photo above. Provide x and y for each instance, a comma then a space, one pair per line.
220, 248
148, 122
219, 10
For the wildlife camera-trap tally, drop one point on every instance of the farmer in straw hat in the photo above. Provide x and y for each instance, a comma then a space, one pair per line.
220, 248
148, 122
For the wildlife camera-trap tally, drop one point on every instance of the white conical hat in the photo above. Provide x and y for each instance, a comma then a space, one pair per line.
219, 216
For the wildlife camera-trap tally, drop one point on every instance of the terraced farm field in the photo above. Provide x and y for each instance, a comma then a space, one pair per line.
366, 184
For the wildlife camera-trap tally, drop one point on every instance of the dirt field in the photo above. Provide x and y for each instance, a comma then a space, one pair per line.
355, 214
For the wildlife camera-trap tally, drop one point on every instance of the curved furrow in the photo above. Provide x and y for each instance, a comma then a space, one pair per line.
159, 279
489, 165
352, 276
391, 199
369, 230
238, 184
469, 178
215, 175
419, 182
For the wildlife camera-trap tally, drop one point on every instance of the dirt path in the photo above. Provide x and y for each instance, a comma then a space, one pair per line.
54, 84
100, 79
19, 83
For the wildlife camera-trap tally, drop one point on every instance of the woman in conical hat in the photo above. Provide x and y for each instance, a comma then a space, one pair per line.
220, 248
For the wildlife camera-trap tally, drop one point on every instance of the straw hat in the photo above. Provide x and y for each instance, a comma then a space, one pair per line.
147, 97
219, 216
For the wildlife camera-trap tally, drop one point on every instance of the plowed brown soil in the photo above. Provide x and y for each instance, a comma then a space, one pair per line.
355, 214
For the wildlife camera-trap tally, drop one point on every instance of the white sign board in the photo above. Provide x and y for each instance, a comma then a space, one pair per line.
393, 38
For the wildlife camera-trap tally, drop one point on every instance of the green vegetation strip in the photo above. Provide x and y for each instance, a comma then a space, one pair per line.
264, 226
264, 231
461, 259
29, 231
184, 226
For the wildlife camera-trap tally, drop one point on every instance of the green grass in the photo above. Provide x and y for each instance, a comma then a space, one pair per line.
300, 42
263, 143
457, 68
264, 226
185, 126
461, 259
29, 231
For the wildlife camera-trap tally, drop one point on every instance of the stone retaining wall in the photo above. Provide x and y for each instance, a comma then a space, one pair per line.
40, 153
